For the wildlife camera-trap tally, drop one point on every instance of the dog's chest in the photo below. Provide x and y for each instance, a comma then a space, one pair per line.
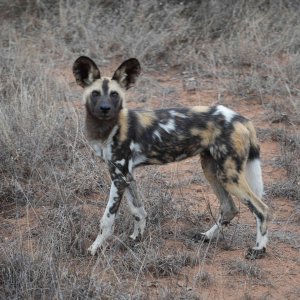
104, 148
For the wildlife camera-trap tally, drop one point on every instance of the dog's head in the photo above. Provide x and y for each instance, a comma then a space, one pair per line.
104, 97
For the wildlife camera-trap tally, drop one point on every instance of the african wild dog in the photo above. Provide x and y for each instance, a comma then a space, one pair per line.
125, 139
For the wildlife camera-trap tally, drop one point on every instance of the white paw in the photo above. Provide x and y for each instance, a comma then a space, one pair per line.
92, 250
133, 236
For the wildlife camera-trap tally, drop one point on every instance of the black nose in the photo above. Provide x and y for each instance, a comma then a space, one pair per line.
105, 108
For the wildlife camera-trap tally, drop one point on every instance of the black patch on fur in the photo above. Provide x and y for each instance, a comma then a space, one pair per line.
131, 69
225, 223
254, 153
105, 86
114, 209
212, 110
83, 67
239, 118
255, 211
239, 163
235, 179
132, 121
200, 237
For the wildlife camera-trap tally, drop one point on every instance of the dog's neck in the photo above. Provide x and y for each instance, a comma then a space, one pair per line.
97, 129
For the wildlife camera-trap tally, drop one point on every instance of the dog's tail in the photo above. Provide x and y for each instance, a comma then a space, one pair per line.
253, 169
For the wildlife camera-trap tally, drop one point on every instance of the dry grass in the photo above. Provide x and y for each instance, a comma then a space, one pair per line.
48, 174
245, 268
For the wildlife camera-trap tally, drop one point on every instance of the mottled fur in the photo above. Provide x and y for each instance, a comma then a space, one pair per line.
125, 139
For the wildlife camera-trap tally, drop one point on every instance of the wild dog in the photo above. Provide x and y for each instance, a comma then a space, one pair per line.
225, 141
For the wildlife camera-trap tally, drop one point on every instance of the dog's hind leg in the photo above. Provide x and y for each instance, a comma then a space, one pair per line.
260, 211
227, 206
136, 208
236, 184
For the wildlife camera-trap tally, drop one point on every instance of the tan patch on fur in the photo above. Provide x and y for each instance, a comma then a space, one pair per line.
96, 85
252, 132
230, 169
207, 135
240, 139
200, 109
242, 190
155, 161
195, 131
146, 119
230, 166
114, 86
223, 149
123, 122
181, 137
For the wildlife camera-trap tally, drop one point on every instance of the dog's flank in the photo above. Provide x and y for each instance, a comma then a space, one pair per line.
125, 139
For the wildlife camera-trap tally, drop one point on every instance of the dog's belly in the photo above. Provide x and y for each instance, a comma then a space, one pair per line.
173, 153
162, 153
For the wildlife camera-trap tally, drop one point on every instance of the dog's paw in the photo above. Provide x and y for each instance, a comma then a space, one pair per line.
255, 253
135, 238
92, 250
200, 237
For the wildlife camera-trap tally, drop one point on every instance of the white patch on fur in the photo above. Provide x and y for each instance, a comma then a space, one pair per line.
156, 134
118, 172
226, 112
103, 151
134, 147
121, 162
97, 147
130, 164
214, 230
138, 156
254, 177
103, 148
177, 114
212, 151
261, 240
139, 159
170, 126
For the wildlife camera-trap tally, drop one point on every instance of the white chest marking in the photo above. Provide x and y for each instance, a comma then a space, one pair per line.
103, 151
103, 148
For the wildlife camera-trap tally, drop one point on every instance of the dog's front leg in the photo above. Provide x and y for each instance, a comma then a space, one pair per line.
107, 222
136, 208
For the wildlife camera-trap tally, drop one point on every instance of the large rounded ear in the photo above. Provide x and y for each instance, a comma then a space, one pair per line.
85, 71
128, 72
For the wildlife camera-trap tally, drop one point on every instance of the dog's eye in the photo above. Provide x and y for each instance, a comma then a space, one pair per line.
95, 94
114, 94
